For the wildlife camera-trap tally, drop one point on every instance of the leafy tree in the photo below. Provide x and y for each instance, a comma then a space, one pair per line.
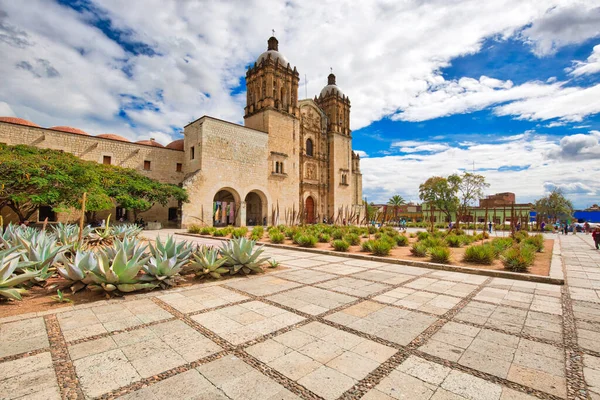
396, 201
554, 206
31, 177
441, 193
470, 189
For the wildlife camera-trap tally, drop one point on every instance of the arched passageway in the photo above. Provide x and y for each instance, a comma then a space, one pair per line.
309, 209
256, 208
225, 207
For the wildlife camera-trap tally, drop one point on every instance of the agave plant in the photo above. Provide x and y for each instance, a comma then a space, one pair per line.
75, 269
207, 263
170, 248
68, 234
132, 247
124, 231
9, 262
40, 252
239, 255
120, 273
102, 235
163, 270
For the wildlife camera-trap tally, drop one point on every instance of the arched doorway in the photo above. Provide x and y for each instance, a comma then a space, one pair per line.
255, 209
310, 210
225, 207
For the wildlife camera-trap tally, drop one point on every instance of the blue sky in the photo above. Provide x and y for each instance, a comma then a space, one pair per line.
510, 88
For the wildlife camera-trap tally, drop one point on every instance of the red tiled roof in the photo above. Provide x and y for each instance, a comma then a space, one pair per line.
69, 129
176, 145
150, 142
113, 136
20, 121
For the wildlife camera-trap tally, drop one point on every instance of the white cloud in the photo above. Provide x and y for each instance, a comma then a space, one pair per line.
202, 49
578, 147
591, 66
568, 23
524, 165
5, 110
361, 153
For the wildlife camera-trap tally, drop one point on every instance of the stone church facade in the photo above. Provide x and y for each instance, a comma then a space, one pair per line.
291, 161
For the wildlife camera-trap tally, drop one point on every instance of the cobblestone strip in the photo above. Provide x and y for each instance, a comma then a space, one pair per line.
488, 377
24, 355
68, 382
161, 377
278, 377
576, 386
113, 333
193, 324
375, 376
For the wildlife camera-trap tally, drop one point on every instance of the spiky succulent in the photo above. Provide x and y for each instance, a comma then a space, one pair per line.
206, 262
121, 273
102, 235
164, 270
240, 255
40, 252
171, 248
132, 247
9, 262
123, 231
68, 234
75, 269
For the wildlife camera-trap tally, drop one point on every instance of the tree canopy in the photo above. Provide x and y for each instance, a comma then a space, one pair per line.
554, 206
441, 193
396, 200
470, 189
31, 177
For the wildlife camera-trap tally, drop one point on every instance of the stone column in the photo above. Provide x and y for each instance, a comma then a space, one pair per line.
241, 219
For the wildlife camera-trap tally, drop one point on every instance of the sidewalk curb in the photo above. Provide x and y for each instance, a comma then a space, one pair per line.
411, 263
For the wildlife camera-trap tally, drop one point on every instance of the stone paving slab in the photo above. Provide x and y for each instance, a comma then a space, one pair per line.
326, 328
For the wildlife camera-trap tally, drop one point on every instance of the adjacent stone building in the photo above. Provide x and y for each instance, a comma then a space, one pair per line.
291, 162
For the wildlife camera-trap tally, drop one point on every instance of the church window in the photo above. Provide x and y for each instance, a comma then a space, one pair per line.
192, 153
147, 165
309, 147
106, 160
179, 167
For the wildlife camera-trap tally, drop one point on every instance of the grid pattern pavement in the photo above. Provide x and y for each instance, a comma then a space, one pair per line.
324, 328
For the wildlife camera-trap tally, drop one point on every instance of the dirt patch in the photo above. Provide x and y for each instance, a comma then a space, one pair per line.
39, 298
541, 265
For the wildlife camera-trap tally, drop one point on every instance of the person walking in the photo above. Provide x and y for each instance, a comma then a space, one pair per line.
596, 237
543, 226
490, 226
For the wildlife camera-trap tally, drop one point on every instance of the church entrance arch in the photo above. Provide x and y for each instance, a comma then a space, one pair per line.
226, 206
256, 208
310, 210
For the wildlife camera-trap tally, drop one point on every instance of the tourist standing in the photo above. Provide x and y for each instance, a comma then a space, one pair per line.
543, 226
596, 237
490, 226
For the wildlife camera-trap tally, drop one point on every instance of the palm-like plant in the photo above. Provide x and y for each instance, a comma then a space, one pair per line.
239, 255
396, 201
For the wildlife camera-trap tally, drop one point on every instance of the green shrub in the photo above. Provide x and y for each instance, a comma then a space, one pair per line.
221, 232
536, 241
381, 248
520, 236
466, 239
239, 232
372, 229
423, 236
258, 231
207, 230
337, 234
291, 232
340, 245
367, 246
518, 258
352, 239
276, 237
306, 240
480, 254
402, 240
500, 244
324, 238
418, 250
453, 241
440, 255
194, 229
412, 235
433, 242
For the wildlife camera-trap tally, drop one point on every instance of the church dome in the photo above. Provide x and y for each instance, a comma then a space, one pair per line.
69, 129
273, 51
19, 121
176, 145
113, 137
150, 142
331, 87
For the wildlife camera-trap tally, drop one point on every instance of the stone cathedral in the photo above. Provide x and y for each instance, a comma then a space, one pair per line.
290, 158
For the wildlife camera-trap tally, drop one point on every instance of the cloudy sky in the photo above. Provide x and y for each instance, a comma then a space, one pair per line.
509, 88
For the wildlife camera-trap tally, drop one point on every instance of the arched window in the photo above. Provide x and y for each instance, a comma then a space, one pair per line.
309, 147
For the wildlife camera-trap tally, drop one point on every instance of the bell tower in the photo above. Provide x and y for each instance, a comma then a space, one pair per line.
271, 83
336, 106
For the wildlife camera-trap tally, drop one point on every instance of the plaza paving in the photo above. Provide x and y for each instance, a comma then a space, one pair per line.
324, 328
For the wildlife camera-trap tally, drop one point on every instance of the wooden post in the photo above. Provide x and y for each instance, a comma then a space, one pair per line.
82, 217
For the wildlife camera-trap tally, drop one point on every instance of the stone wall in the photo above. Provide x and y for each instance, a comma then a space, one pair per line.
163, 161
